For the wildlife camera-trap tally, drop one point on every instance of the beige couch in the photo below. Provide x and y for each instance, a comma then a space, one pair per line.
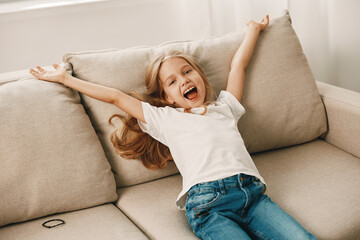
57, 161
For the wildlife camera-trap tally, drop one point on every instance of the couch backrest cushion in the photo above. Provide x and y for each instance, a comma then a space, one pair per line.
51, 159
282, 103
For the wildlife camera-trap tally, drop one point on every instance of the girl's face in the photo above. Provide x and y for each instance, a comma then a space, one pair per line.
182, 84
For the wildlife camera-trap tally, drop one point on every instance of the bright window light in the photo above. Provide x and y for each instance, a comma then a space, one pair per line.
21, 5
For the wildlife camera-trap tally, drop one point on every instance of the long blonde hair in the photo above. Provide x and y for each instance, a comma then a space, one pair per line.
130, 141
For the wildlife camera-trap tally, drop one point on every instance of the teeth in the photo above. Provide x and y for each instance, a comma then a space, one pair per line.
188, 90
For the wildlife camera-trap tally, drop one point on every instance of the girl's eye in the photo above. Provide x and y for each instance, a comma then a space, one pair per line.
187, 71
171, 82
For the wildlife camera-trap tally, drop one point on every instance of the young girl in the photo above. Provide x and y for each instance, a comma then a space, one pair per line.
223, 192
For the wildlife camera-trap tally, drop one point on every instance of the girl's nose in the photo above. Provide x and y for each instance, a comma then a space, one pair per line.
184, 81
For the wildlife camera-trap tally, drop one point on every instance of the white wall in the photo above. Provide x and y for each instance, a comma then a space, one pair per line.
327, 30
42, 36
344, 43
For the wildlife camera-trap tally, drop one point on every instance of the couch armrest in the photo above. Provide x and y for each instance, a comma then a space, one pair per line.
24, 73
343, 116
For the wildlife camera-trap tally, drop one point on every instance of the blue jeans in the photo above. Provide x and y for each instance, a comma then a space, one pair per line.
237, 208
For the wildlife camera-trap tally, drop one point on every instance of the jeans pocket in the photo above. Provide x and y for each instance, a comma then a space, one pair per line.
201, 201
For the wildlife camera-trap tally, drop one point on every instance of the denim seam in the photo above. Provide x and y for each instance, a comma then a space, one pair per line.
210, 189
246, 200
203, 233
259, 234
216, 199
204, 190
200, 190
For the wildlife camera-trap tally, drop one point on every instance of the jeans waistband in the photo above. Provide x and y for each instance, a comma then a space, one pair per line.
236, 181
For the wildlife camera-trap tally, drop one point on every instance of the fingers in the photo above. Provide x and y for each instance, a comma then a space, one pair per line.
38, 73
266, 19
40, 69
265, 22
34, 73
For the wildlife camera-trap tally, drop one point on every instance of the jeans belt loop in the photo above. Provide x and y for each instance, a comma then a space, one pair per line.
222, 186
240, 180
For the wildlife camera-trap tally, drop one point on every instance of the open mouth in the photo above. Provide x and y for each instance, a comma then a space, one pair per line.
191, 93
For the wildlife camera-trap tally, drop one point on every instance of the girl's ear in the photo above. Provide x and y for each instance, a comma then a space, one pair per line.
169, 99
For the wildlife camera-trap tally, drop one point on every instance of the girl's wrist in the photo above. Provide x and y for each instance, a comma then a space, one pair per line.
254, 27
64, 78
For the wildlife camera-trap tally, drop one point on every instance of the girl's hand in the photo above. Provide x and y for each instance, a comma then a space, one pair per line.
259, 25
59, 75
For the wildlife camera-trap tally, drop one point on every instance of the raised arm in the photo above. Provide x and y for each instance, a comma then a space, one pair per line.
241, 59
123, 101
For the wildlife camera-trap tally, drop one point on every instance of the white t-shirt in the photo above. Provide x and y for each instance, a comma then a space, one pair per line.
204, 147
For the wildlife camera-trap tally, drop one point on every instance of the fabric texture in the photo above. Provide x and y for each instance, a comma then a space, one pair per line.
343, 115
315, 183
204, 147
280, 95
105, 222
236, 208
51, 158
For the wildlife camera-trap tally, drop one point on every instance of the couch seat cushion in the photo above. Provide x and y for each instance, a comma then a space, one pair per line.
51, 159
315, 183
103, 222
151, 206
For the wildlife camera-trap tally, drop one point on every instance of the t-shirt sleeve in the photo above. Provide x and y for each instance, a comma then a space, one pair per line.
235, 106
155, 119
